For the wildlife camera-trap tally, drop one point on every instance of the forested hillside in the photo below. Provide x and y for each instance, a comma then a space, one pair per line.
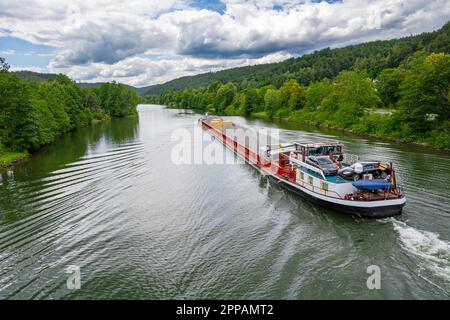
397, 89
34, 113
327, 63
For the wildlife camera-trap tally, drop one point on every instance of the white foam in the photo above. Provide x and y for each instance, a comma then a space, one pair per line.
434, 252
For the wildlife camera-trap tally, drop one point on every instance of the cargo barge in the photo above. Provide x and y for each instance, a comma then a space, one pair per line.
319, 172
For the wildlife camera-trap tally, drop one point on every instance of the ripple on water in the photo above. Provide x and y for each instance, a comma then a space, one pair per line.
70, 213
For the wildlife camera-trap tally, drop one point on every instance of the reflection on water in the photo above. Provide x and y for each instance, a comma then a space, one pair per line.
108, 199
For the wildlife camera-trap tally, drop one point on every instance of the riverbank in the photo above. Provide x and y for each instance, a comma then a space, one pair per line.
8, 158
295, 120
422, 142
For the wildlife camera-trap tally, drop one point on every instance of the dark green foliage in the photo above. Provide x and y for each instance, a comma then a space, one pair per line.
117, 99
34, 76
34, 113
224, 96
388, 86
250, 102
16, 116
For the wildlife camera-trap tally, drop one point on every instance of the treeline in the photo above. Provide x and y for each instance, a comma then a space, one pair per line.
373, 57
33, 114
410, 102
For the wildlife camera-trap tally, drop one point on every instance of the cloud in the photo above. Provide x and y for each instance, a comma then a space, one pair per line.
7, 52
140, 71
100, 38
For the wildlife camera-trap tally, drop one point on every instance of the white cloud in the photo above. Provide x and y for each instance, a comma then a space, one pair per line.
7, 52
101, 38
138, 71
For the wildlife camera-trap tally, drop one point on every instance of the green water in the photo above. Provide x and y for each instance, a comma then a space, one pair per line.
109, 199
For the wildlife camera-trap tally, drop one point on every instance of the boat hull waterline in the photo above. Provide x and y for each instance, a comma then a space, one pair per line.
377, 209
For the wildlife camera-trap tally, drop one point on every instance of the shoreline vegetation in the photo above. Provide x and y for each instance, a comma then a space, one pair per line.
264, 116
8, 158
397, 90
35, 113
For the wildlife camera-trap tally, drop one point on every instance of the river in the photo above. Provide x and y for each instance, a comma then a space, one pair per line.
109, 200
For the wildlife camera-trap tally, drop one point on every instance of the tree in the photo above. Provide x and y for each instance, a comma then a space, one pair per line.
355, 87
224, 96
271, 102
291, 95
15, 111
316, 93
250, 101
388, 86
4, 67
424, 100
91, 100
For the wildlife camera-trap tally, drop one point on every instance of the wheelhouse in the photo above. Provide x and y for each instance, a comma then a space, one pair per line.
320, 149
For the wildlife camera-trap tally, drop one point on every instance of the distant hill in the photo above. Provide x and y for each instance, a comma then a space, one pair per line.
204, 79
140, 91
36, 76
326, 63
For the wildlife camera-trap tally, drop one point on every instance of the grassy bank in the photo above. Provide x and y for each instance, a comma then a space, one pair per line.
7, 158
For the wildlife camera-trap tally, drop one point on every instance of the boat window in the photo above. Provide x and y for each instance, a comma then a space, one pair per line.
310, 179
302, 175
324, 186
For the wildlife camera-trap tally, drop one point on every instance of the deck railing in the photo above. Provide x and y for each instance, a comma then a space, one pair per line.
308, 166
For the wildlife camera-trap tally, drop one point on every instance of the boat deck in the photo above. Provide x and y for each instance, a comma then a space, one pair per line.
333, 179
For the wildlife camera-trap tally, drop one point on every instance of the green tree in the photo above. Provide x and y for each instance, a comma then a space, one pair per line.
388, 86
4, 67
291, 95
250, 100
271, 102
224, 97
424, 102
316, 93
16, 129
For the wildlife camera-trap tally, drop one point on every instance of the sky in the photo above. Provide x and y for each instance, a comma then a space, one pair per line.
145, 42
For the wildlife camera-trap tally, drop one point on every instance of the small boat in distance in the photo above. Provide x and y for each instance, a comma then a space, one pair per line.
320, 172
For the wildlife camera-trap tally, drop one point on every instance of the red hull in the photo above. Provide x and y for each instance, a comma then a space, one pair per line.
252, 156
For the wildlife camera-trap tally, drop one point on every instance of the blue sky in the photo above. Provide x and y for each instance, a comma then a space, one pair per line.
143, 42
22, 53
213, 5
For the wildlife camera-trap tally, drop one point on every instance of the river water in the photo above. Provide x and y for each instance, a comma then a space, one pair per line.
109, 200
